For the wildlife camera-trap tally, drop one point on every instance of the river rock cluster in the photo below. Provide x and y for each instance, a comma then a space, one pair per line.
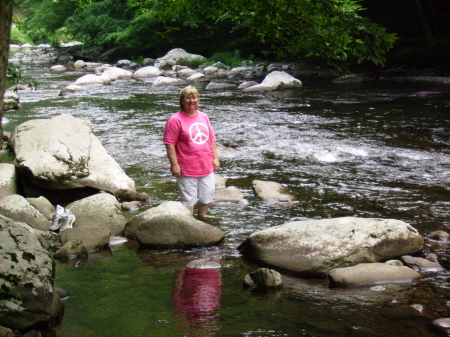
59, 161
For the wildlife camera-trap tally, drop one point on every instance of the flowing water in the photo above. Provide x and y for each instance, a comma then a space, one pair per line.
367, 150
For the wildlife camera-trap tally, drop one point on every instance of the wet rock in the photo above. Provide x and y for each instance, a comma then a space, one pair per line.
70, 89
115, 73
314, 247
130, 195
351, 78
367, 274
93, 237
100, 210
220, 181
147, 72
169, 208
210, 70
43, 205
220, 86
27, 271
11, 102
263, 278
58, 67
6, 332
442, 324
273, 193
165, 231
62, 293
8, 180
229, 194
79, 64
439, 235
16, 207
421, 264
396, 263
432, 257
62, 153
187, 72
72, 250
247, 84
90, 79
276, 80
240, 72
197, 77
176, 56
129, 206
161, 81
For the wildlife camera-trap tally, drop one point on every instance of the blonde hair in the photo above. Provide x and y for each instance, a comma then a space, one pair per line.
186, 92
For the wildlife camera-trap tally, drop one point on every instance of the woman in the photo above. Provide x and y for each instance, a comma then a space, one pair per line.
191, 148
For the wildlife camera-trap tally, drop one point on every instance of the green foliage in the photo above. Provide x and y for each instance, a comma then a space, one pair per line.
18, 37
195, 62
230, 59
331, 30
99, 21
14, 76
46, 17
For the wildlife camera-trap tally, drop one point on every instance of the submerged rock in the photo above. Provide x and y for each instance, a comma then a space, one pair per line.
368, 274
263, 278
273, 193
72, 250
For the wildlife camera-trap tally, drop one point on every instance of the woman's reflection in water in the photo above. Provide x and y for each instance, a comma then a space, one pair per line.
196, 297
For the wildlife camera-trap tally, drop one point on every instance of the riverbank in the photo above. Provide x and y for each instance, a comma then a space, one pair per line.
341, 150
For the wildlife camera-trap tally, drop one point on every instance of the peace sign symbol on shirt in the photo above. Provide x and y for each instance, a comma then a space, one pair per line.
199, 133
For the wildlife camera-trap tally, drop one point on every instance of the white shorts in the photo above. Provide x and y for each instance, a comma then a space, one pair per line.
193, 189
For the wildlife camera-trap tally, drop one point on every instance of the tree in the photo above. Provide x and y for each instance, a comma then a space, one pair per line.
6, 7
332, 30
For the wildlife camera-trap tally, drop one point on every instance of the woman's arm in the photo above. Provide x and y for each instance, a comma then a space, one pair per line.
216, 162
172, 155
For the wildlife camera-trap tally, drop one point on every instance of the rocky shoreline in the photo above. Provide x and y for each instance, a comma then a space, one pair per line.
347, 251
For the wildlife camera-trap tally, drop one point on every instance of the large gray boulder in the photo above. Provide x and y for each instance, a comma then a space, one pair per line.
314, 247
18, 208
26, 278
101, 210
368, 274
62, 153
165, 231
176, 56
8, 180
168, 208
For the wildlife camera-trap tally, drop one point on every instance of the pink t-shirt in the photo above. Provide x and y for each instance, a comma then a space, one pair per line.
192, 137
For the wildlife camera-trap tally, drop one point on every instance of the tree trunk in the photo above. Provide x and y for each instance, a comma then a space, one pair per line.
6, 7
423, 19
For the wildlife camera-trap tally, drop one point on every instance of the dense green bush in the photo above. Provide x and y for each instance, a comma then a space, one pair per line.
19, 37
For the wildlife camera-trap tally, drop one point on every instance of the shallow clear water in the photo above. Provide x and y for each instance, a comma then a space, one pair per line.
369, 150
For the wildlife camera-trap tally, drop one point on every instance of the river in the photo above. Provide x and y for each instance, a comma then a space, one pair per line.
371, 149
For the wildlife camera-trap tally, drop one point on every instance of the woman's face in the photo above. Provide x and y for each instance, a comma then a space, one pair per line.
190, 104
